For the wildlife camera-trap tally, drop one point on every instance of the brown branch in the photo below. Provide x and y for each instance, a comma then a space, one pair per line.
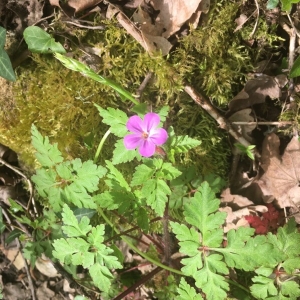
223, 123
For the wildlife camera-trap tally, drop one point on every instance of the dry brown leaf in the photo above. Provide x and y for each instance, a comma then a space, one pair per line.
77, 5
281, 179
255, 92
243, 116
234, 200
240, 21
172, 15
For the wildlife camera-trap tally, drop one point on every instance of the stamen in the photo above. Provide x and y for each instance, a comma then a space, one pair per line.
145, 135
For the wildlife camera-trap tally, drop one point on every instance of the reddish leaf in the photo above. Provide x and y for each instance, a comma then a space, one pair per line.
268, 222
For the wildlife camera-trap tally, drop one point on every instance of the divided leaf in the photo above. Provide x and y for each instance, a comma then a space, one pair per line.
199, 212
186, 292
72, 227
114, 118
116, 175
70, 181
47, 154
122, 155
88, 250
179, 144
247, 253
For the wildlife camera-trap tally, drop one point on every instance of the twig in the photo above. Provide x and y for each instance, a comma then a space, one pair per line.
143, 85
101, 27
257, 19
131, 29
30, 282
31, 199
224, 124
265, 123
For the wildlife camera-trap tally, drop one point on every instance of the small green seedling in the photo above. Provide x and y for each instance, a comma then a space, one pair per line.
246, 150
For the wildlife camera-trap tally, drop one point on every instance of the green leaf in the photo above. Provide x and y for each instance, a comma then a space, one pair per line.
262, 291
79, 213
96, 236
247, 253
291, 264
155, 192
6, 69
116, 175
71, 250
186, 292
40, 41
169, 172
141, 109
142, 219
295, 70
2, 225
272, 4
112, 199
13, 235
163, 113
101, 276
200, 211
114, 118
142, 174
77, 66
71, 226
212, 284
287, 239
179, 144
287, 4
291, 289
189, 239
48, 155
122, 155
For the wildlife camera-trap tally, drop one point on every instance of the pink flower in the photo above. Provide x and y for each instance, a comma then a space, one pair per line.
145, 135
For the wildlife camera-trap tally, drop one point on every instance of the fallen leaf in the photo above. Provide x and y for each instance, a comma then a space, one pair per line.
172, 14
243, 116
240, 21
74, 5
255, 92
281, 179
235, 219
234, 200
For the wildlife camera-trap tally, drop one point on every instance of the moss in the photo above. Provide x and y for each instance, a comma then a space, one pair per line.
60, 102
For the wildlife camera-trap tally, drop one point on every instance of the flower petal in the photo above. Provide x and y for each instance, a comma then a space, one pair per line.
151, 120
135, 124
158, 136
147, 148
132, 141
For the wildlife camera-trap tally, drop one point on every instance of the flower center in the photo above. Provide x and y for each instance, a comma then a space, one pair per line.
145, 135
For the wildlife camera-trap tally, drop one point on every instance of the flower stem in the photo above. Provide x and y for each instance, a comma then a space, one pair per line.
101, 145
134, 248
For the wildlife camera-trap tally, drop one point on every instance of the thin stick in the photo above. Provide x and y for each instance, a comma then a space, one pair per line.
280, 123
143, 85
100, 27
257, 19
31, 200
223, 123
30, 282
